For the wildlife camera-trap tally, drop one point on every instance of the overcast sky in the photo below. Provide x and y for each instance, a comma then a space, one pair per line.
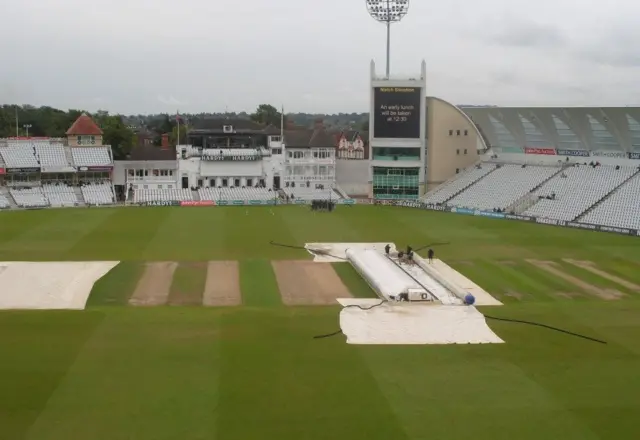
140, 56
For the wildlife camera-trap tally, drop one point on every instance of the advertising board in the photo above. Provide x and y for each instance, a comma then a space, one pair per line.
543, 151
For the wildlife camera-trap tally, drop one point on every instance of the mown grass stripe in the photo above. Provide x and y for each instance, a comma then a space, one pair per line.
258, 284
187, 286
515, 284
356, 285
117, 286
554, 284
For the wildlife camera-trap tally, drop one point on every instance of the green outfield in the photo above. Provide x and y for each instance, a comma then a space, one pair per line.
237, 362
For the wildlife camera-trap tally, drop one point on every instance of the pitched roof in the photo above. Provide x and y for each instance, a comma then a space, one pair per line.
84, 125
149, 152
318, 137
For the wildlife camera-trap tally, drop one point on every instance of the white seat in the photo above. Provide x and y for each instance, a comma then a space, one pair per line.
19, 154
621, 209
162, 195
91, 156
60, 195
52, 157
99, 193
29, 197
463, 180
502, 187
582, 187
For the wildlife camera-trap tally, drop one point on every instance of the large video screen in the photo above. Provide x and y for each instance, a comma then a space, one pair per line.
396, 112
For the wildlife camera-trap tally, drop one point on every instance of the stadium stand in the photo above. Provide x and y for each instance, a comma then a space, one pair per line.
162, 195
462, 181
60, 195
52, 157
621, 209
91, 156
576, 189
98, 193
503, 187
19, 156
29, 197
4, 203
236, 194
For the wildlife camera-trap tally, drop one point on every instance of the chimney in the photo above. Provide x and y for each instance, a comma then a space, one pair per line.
319, 123
164, 144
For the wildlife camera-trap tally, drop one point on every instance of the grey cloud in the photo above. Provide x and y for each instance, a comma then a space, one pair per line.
524, 33
311, 56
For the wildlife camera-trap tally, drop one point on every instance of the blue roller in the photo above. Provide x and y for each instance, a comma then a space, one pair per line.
469, 299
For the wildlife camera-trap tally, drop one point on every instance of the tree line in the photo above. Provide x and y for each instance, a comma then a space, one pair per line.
119, 131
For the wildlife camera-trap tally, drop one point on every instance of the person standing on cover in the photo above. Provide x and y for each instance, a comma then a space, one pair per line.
387, 248
430, 255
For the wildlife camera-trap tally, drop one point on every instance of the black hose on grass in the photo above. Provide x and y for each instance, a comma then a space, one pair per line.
431, 245
328, 335
273, 243
550, 327
517, 321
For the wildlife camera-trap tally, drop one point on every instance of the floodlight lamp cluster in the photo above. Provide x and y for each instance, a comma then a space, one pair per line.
388, 11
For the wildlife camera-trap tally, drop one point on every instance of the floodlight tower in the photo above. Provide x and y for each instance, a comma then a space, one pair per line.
387, 12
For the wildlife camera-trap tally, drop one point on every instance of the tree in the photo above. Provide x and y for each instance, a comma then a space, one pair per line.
267, 115
116, 133
365, 125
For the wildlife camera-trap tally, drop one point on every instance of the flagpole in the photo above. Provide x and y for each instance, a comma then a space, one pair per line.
178, 122
282, 125
17, 131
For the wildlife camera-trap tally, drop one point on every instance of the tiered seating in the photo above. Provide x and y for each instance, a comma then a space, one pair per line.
52, 157
98, 194
164, 195
578, 191
236, 194
29, 197
4, 203
303, 193
621, 209
60, 195
91, 156
19, 156
463, 180
502, 187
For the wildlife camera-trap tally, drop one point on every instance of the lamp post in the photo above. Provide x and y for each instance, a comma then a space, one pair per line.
27, 127
387, 12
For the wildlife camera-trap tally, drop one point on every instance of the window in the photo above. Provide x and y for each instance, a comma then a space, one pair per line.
249, 182
465, 151
86, 140
393, 153
159, 186
458, 152
275, 138
457, 132
457, 170
276, 150
450, 132
466, 132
